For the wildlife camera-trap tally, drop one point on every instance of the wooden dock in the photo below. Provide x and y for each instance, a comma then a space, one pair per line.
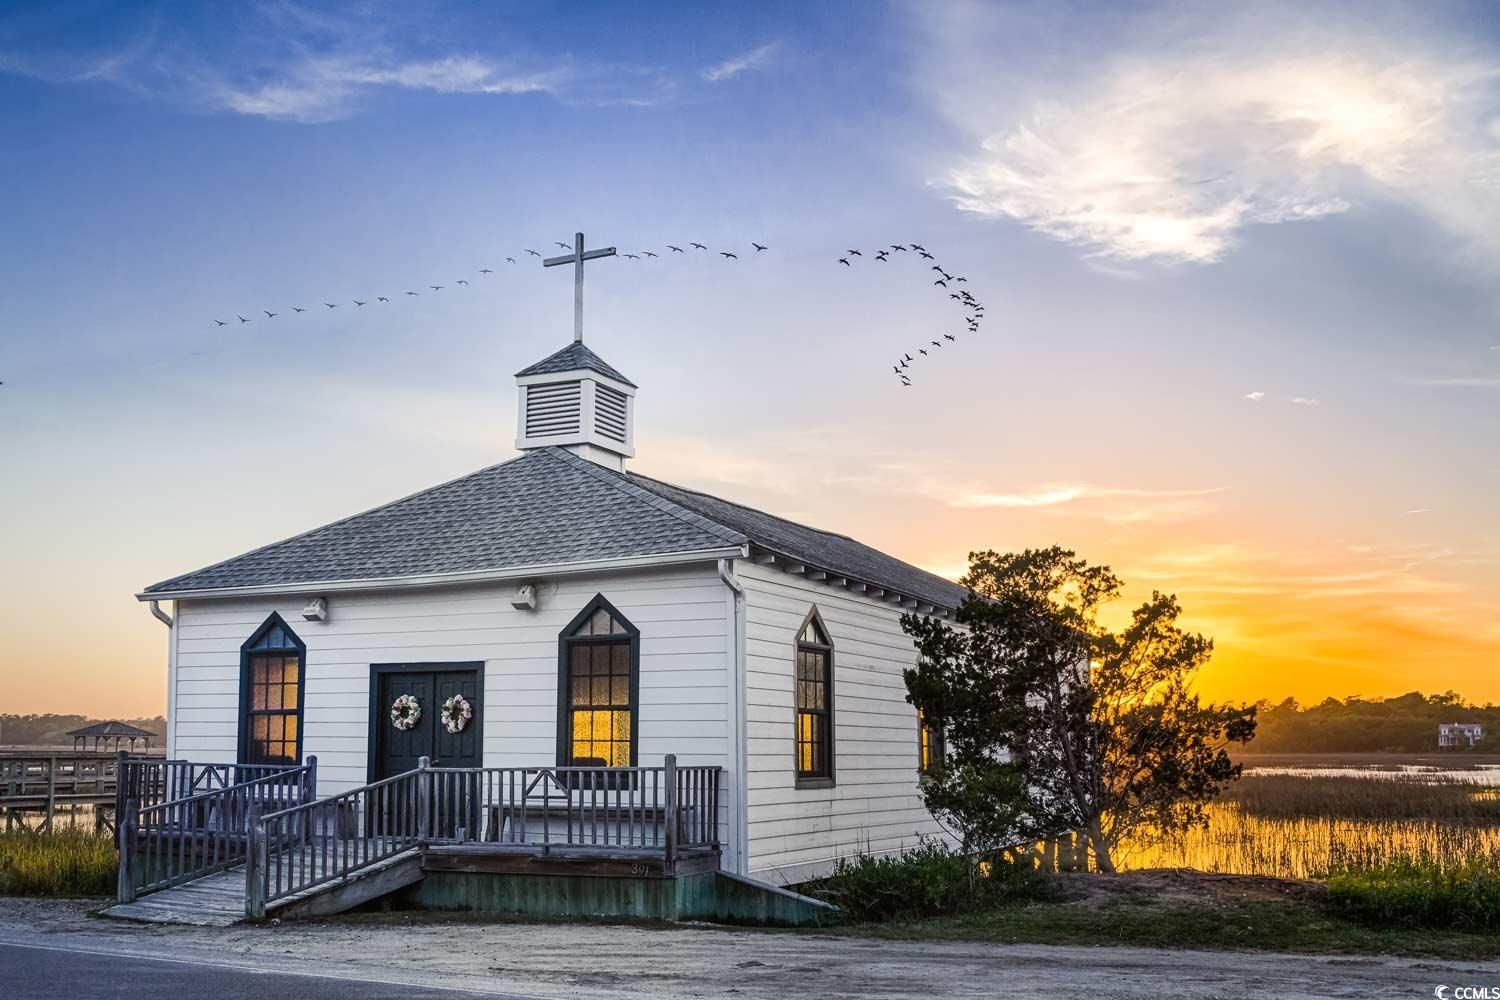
41, 786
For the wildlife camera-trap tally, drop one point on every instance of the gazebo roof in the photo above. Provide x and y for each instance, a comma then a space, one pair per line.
112, 728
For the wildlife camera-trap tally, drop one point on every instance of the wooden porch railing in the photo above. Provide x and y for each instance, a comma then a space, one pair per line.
151, 781
168, 843
651, 811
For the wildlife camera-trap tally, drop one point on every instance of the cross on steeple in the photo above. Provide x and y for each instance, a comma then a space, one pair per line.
576, 258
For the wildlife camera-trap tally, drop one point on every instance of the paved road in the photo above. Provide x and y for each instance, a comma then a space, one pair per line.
46, 972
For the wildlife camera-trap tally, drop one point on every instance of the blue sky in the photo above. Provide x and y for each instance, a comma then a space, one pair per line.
1241, 340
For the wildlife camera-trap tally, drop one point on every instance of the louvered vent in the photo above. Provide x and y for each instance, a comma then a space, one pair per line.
553, 410
609, 412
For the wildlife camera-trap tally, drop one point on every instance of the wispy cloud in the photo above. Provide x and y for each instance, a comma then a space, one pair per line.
1170, 153
1254, 397
1459, 382
1304, 401
1053, 494
756, 58
322, 88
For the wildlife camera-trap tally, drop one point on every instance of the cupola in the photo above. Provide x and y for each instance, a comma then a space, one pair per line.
574, 399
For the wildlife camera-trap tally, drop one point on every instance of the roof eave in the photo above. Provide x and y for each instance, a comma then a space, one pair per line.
789, 563
451, 579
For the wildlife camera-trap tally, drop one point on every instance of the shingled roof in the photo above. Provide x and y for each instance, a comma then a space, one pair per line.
545, 508
575, 357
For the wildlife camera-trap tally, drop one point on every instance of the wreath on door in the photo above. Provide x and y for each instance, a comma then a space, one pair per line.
405, 711
456, 713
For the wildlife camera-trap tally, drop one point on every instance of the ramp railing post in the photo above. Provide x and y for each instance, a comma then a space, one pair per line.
257, 857
669, 780
120, 795
424, 800
125, 838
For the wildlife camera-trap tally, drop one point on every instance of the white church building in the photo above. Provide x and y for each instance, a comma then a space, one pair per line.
589, 615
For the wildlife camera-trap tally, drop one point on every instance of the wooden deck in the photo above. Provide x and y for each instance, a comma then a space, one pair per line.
270, 847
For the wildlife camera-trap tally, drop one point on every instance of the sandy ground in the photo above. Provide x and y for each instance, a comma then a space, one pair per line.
596, 961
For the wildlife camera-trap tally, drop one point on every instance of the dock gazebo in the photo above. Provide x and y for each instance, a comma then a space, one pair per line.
107, 736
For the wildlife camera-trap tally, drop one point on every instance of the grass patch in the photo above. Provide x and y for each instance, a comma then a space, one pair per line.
1293, 796
67, 863
1416, 894
1250, 925
928, 881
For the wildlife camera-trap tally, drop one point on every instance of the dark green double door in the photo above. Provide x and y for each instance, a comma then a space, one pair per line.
398, 750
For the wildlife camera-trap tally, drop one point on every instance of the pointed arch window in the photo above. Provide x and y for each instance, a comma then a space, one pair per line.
598, 677
273, 662
814, 701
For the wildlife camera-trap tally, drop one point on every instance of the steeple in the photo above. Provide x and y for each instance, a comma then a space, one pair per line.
576, 400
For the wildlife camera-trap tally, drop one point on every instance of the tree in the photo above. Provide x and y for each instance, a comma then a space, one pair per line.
1053, 722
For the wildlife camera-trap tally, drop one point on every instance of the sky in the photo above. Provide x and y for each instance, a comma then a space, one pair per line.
1241, 342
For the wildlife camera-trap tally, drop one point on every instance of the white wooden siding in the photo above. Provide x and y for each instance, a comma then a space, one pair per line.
875, 805
684, 666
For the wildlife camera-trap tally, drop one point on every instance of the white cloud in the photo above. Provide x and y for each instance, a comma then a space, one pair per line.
1254, 397
1304, 401
322, 88
1054, 494
1420, 510
1460, 382
756, 58
1171, 154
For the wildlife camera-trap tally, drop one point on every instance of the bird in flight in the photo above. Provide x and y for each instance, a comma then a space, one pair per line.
757, 246
910, 358
949, 336
845, 262
855, 253
533, 253
221, 322
678, 249
413, 293
461, 281
700, 246
954, 295
381, 298
729, 255
926, 256
940, 281
962, 279
896, 369
437, 288
631, 256
897, 246
359, 303
331, 305
937, 343
919, 248
241, 318
510, 260
565, 246
485, 270
298, 309
269, 314
922, 352
648, 253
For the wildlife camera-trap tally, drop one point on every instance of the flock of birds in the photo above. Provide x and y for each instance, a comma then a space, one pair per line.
973, 309
728, 255
953, 284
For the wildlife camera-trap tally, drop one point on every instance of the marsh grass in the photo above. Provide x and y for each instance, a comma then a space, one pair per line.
66, 863
1311, 827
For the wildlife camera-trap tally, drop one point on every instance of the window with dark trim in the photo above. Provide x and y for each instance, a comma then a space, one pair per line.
814, 701
930, 746
598, 668
273, 662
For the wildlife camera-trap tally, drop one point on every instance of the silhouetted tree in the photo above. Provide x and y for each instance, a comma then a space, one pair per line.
1054, 722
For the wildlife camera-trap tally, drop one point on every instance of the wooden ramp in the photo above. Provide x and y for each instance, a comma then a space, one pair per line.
218, 899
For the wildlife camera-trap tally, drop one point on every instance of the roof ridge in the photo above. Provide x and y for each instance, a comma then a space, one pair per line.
333, 524
623, 482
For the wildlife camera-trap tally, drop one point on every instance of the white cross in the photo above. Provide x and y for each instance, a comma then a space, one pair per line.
576, 258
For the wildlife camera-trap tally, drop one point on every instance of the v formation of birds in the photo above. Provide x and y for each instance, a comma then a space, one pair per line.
972, 308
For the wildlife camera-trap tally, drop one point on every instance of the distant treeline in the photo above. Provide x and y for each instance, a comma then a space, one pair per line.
52, 730
1406, 724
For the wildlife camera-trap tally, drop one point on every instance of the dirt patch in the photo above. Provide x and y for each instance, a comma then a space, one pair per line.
1182, 887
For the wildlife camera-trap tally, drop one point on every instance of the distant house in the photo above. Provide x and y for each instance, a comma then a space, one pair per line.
1459, 735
